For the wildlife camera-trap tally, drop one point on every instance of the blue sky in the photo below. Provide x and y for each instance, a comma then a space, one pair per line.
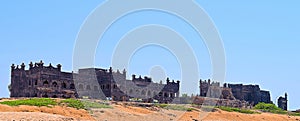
261, 40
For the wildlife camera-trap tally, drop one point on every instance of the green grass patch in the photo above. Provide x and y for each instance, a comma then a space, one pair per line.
161, 105
175, 107
208, 108
84, 104
73, 103
89, 105
31, 102
294, 114
267, 107
230, 109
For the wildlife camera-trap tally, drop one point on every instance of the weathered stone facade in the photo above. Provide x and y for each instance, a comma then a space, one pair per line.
249, 93
41, 81
116, 86
207, 101
282, 102
49, 81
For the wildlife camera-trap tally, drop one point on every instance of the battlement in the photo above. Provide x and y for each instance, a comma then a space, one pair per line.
145, 79
36, 65
173, 81
209, 83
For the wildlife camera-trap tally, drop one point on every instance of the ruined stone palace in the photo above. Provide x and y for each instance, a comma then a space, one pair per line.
39, 80
49, 81
250, 93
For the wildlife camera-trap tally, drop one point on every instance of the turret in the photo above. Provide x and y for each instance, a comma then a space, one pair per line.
124, 72
13, 67
168, 80
41, 64
208, 81
110, 69
285, 96
30, 65
22, 66
58, 67
225, 85
133, 77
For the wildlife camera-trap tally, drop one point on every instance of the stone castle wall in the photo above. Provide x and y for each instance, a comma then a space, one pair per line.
249, 93
49, 81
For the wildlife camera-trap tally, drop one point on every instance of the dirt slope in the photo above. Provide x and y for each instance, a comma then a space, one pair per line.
128, 113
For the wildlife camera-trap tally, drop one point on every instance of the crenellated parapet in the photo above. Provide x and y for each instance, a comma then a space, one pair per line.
37, 65
140, 79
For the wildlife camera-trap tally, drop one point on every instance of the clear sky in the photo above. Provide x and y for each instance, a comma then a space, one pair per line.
261, 40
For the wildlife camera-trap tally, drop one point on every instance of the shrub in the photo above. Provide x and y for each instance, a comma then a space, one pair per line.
266, 107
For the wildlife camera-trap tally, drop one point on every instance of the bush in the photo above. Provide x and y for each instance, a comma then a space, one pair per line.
31, 102
266, 107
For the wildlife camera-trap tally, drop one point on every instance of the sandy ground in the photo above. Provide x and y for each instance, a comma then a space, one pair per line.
128, 113
57, 110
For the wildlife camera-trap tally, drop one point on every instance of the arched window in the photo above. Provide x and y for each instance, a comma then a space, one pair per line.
45, 83
171, 95
96, 88
36, 82
160, 94
63, 96
45, 95
149, 93
143, 92
80, 87
154, 93
88, 87
166, 94
72, 86
107, 86
29, 82
64, 85
54, 96
54, 84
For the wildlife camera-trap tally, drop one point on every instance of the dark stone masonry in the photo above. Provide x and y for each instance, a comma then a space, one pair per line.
282, 102
50, 81
96, 83
249, 93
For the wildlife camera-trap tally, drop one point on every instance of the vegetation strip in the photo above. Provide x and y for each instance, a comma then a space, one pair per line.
74, 103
